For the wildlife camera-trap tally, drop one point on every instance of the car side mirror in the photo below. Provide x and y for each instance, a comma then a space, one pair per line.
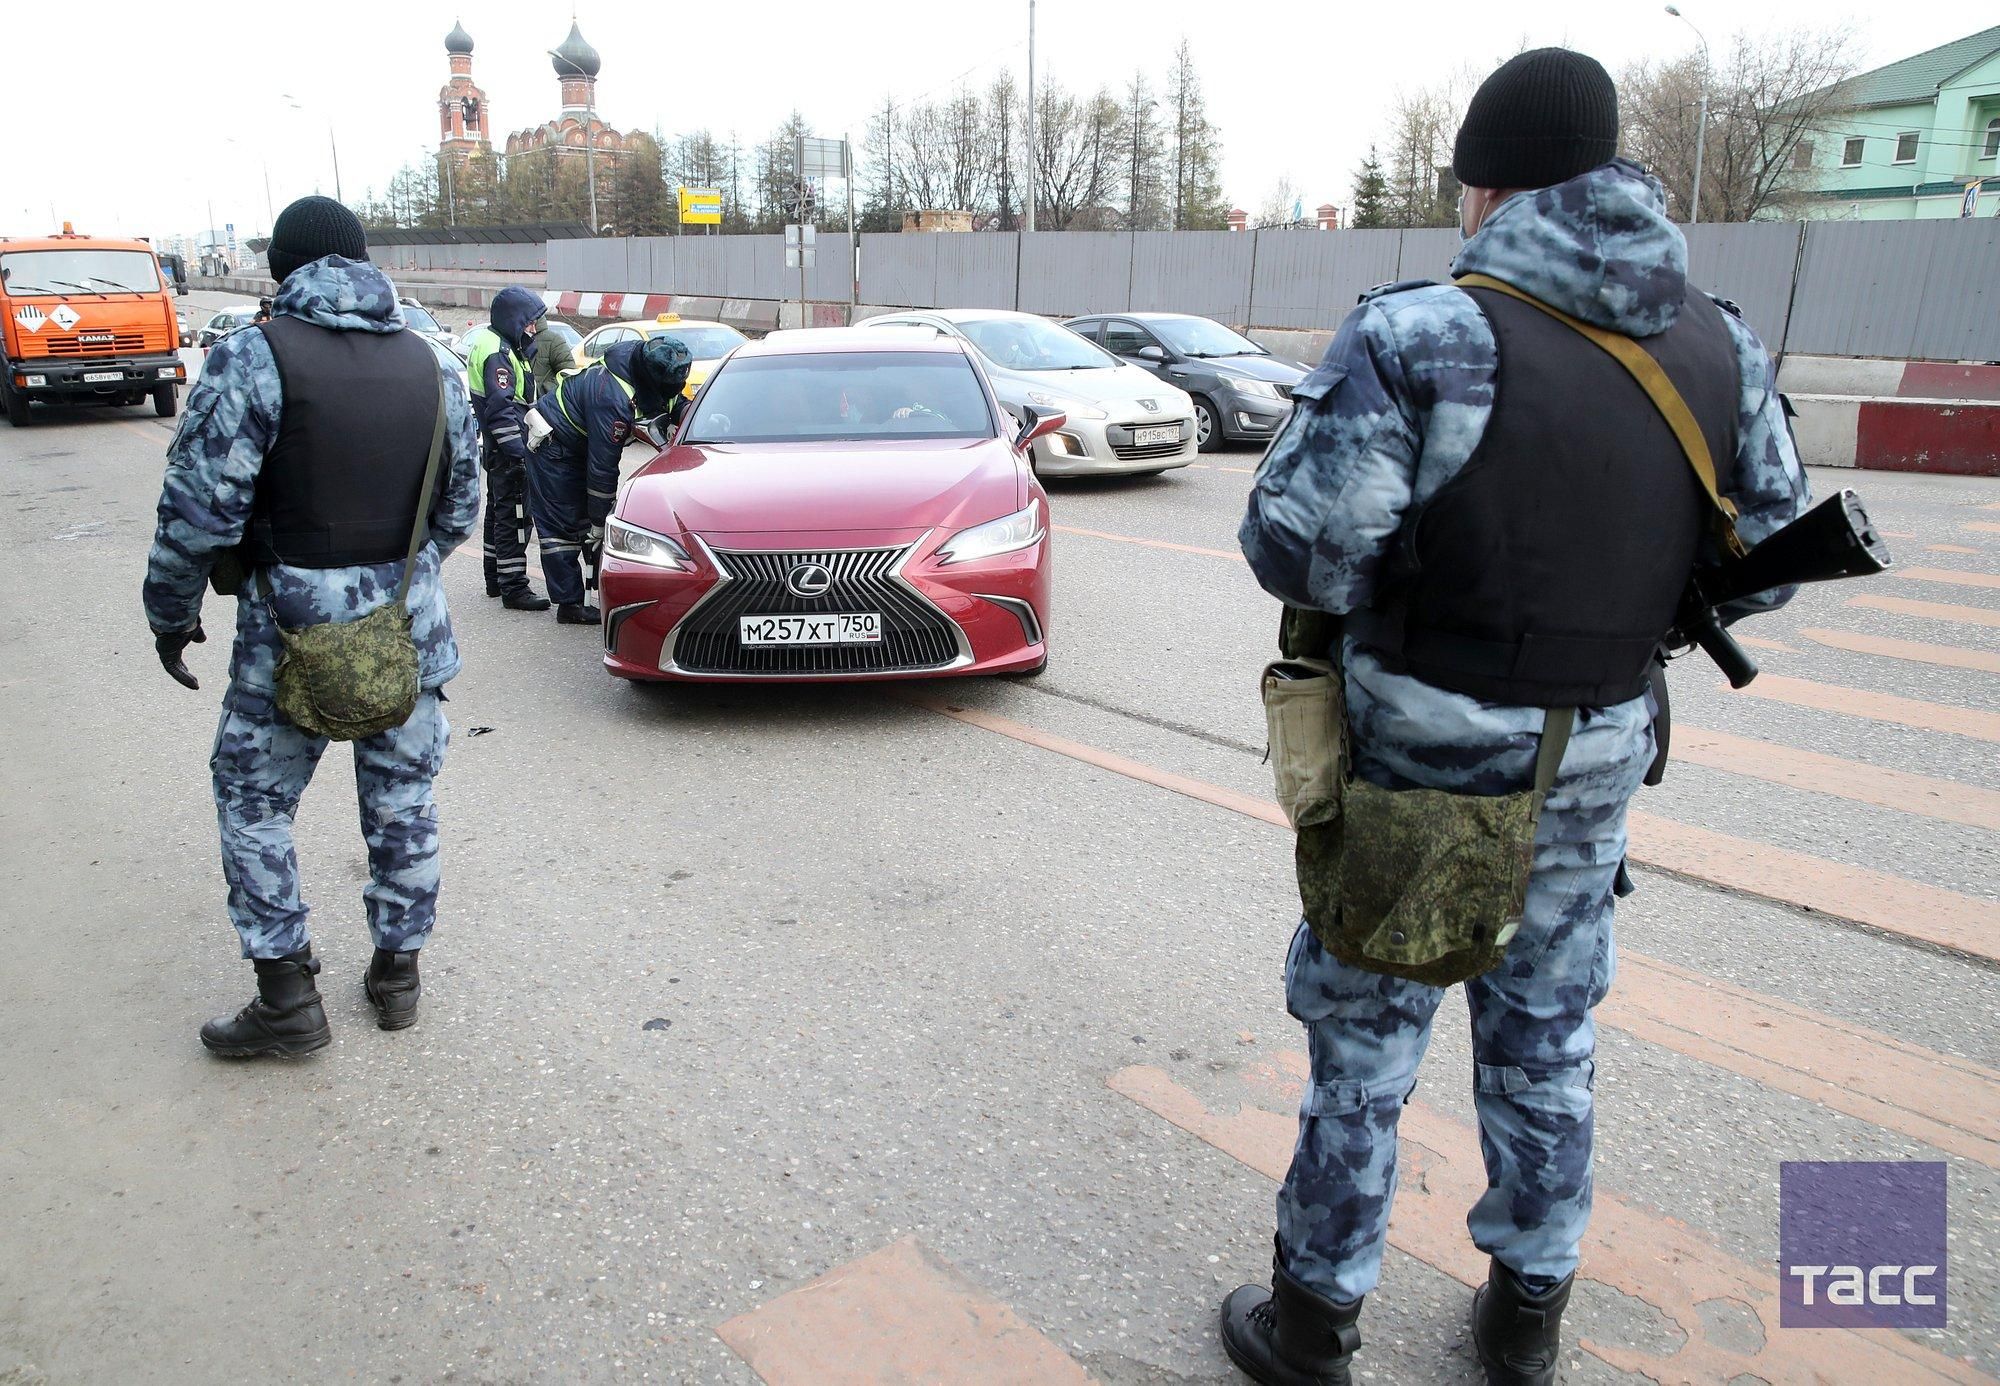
655, 430
1038, 423
1155, 354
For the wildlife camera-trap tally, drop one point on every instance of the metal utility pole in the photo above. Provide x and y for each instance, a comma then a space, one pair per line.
1030, 223
334, 145
590, 153
800, 169
853, 250
1701, 132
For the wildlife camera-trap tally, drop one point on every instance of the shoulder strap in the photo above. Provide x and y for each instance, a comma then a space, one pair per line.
1653, 379
424, 496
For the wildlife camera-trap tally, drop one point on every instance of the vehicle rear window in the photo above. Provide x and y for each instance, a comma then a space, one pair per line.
420, 319
848, 396
705, 343
27, 272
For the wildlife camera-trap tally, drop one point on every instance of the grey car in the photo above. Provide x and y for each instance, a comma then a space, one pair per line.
1242, 393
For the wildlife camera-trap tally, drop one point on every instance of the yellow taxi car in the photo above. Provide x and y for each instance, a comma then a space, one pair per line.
708, 341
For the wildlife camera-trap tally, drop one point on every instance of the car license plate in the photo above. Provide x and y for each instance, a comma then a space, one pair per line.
846, 628
100, 377
1150, 437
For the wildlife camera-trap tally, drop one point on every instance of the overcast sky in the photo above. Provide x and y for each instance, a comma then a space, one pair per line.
129, 118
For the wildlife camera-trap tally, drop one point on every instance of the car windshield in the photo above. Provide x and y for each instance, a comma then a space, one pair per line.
1030, 344
841, 396
1200, 337
420, 319
80, 271
704, 343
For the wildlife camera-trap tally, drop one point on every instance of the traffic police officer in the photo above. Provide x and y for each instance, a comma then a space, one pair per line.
299, 455
497, 366
1486, 498
573, 470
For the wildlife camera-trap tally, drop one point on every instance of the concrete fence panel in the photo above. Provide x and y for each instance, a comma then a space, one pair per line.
1205, 272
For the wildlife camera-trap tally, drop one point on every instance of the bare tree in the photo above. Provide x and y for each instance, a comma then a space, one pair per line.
1423, 125
1279, 205
1770, 95
1003, 116
1196, 155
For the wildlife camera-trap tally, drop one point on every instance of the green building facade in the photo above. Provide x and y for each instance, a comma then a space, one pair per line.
1902, 142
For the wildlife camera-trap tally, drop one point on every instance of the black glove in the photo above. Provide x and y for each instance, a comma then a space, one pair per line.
170, 646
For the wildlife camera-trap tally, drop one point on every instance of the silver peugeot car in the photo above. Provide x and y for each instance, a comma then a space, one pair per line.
1121, 419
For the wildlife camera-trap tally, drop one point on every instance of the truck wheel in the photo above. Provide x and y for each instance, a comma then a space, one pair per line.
166, 401
17, 405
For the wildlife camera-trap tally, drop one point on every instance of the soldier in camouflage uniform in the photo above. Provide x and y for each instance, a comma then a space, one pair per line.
1399, 406
262, 763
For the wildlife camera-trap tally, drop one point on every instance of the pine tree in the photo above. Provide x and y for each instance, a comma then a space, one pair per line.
1371, 194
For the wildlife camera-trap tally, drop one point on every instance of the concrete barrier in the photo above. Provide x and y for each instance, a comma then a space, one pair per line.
1895, 416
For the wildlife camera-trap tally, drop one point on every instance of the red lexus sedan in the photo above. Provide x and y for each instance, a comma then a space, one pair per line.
841, 503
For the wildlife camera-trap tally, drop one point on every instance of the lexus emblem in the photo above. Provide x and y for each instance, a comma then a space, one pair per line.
809, 580
1151, 406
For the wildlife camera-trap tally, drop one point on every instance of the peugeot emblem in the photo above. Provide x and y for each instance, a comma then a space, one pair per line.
1151, 406
809, 580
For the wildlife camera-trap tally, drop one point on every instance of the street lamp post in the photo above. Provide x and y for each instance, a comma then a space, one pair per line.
1030, 223
331, 143
589, 140
1701, 131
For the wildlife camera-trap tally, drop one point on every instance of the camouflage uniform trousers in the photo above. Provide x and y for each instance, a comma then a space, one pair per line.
262, 765
1533, 1041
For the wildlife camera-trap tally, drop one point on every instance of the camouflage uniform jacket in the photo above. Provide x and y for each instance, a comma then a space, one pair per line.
1399, 405
230, 423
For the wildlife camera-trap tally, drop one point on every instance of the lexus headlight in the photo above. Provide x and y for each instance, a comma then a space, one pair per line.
1006, 535
1069, 404
1258, 389
637, 545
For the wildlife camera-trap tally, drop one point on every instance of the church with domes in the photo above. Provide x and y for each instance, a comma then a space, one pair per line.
576, 125
464, 121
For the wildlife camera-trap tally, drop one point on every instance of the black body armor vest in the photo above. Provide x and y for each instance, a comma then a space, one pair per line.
1548, 569
339, 486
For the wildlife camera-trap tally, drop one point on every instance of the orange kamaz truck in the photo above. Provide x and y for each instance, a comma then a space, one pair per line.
87, 321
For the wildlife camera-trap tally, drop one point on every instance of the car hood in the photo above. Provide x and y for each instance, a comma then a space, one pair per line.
897, 487
1272, 368
1099, 385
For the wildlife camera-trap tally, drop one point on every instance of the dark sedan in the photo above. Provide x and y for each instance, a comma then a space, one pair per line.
1241, 391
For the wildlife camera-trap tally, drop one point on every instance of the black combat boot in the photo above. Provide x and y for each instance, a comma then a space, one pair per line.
524, 598
573, 614
393, 988
285, 1019
492, 587
1290, 1336
1518, 1335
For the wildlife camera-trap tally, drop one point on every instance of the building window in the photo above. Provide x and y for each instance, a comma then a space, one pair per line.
1802, 153
1906, 147
1992, 146
1850, 153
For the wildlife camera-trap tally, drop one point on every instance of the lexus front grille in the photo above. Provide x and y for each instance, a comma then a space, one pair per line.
916, 636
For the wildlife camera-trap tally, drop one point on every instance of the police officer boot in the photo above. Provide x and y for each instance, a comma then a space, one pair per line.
285, 1019
577, 614
1290, 1336
523, 598
393, 988
1518, 1335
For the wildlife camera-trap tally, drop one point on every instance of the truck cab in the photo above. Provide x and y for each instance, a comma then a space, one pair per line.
83, 320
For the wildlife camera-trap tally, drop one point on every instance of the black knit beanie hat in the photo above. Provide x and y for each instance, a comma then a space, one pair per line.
1542, 118
311, 228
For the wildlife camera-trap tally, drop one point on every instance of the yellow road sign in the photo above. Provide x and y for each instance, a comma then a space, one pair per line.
701, 207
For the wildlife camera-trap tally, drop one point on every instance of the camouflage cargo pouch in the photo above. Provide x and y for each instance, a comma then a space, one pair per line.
348, 680
1425, 884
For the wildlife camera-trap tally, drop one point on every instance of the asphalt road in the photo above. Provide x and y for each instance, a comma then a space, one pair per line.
959, 1004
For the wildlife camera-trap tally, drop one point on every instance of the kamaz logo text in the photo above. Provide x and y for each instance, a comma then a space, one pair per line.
1852, 1285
